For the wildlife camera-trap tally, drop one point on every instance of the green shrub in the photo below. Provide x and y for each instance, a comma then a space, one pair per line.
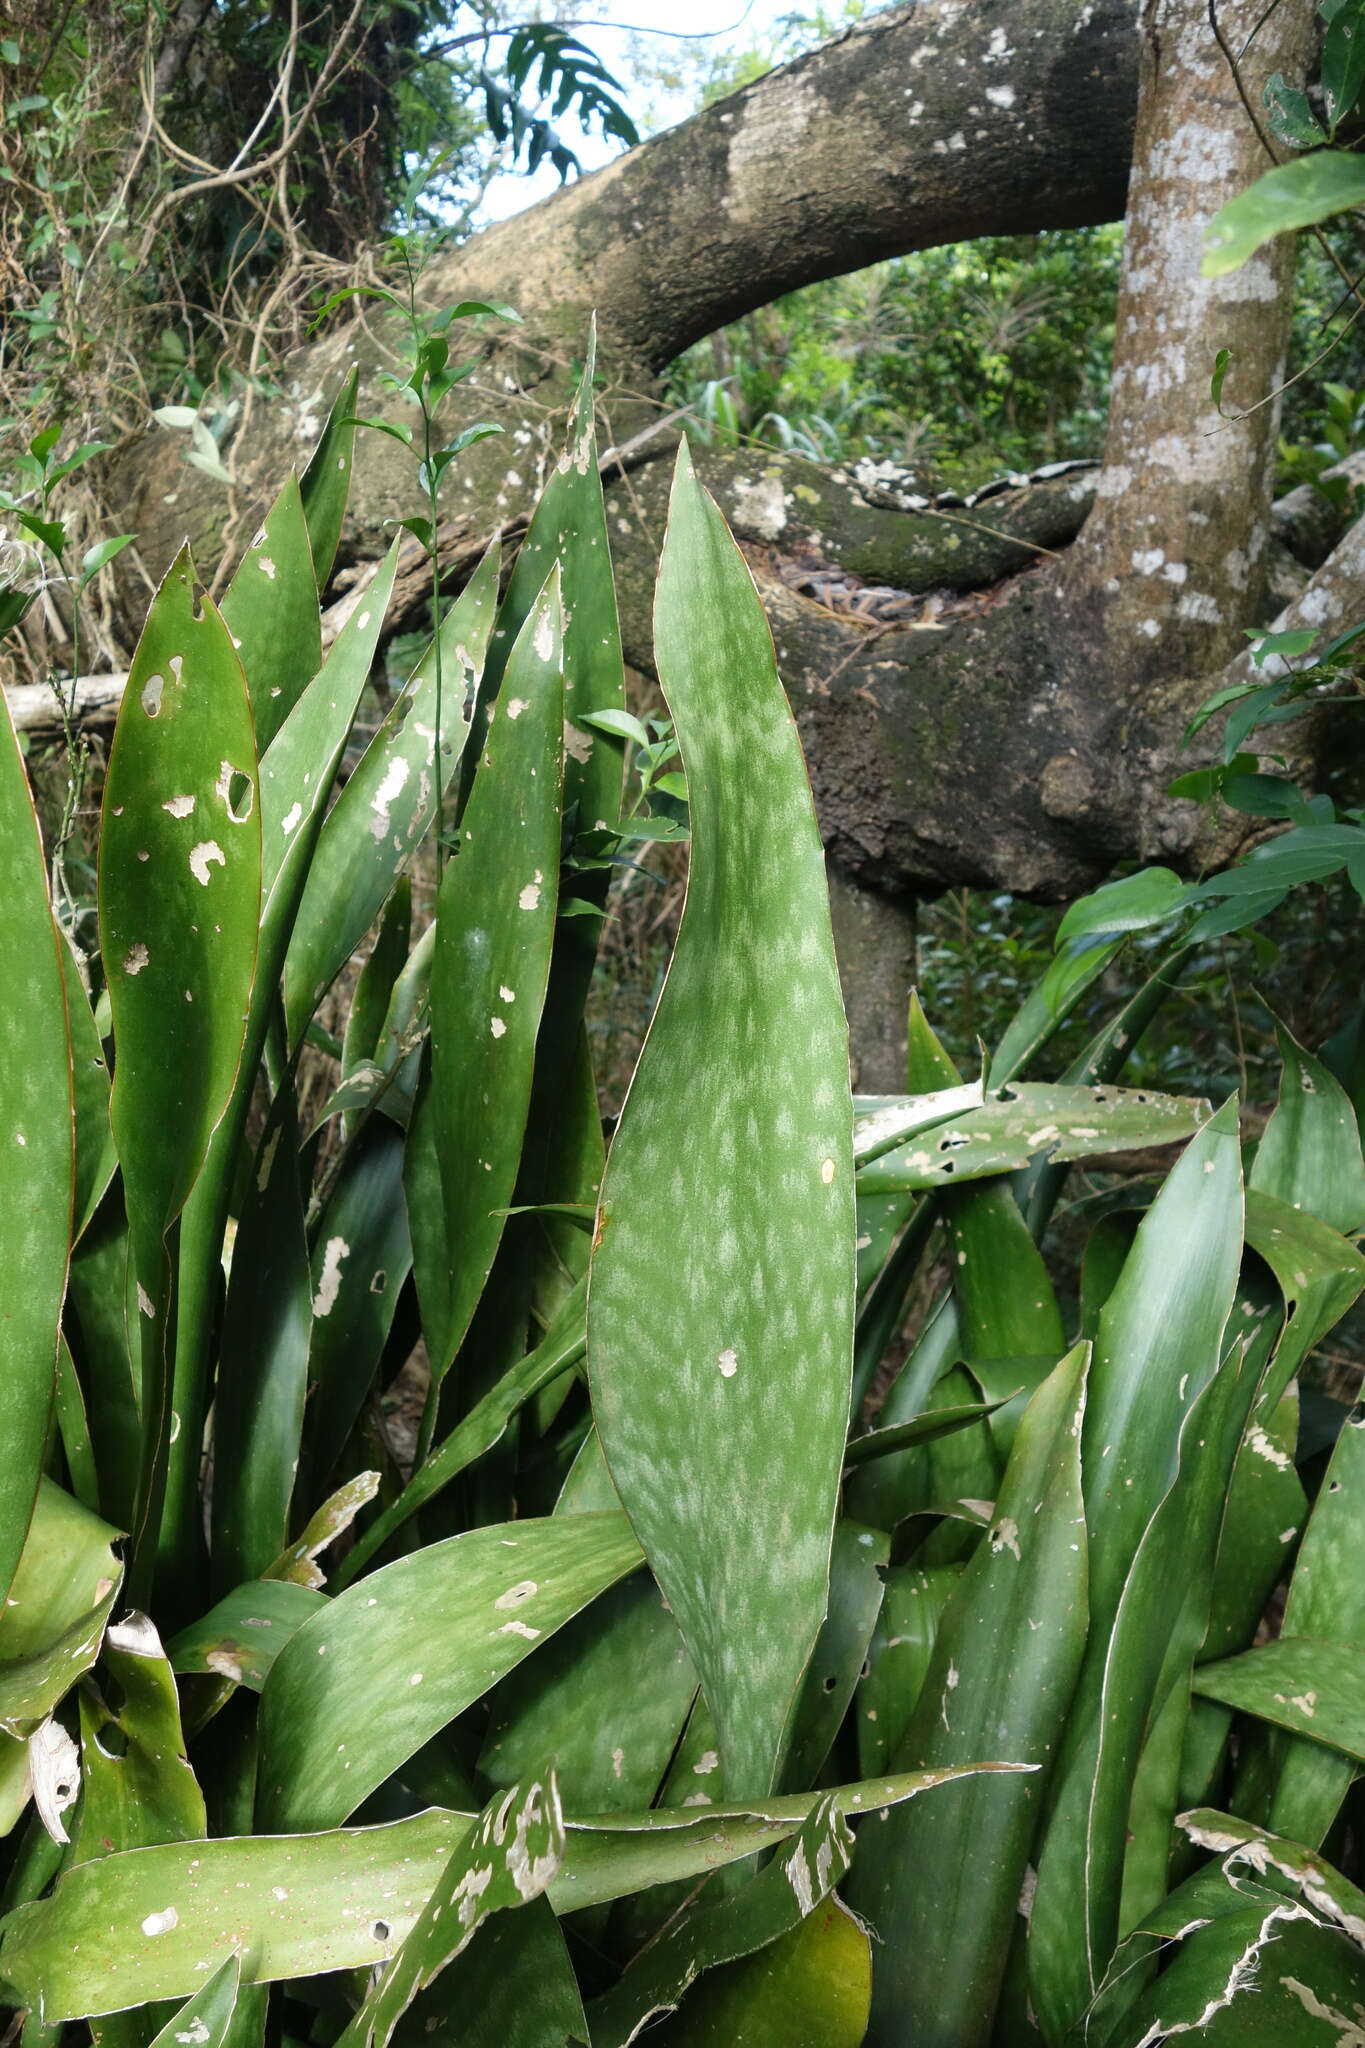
433, 1541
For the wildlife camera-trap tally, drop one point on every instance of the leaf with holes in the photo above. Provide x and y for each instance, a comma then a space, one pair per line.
67, 1955
509, 1856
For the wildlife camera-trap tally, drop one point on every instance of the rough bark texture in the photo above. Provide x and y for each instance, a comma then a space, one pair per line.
960, 728
930, 123
1174, 557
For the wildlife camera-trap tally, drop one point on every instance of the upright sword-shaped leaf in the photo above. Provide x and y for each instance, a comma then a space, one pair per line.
720, 1321
36, 1153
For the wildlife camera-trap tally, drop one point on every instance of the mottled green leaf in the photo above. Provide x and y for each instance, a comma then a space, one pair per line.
59, 1599
1309, 1154
241, 1637
808, 1989
368, 1679
943, 1900
1157, 1351
68, 1955
495, 919
138, 1786
325, 485
1312, 1686
1024, 1121
36, 1152
721, 1930
602, 1704
720, 1315
1326, 1598
388, 803
509, 1856
271, 610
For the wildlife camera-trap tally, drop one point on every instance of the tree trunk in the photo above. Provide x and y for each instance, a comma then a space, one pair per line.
1175, 555
1018, 734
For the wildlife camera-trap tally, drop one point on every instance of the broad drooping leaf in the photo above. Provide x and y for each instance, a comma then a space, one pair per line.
241, 1637
379, 1670
1014, 1126
351, 1894
720, 1316
1157, 1350
1007, 1655
1312, 1685
1294, 195
36, 1153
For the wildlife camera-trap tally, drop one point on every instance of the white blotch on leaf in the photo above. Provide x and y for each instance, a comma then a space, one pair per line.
390, 787
161, 1923
179, 806
151, 694
728, 1363
515, 1595
135, 959
516, 707
329, 1282
291, 819
144, 1302
497, 1026
267, 567
207, 854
